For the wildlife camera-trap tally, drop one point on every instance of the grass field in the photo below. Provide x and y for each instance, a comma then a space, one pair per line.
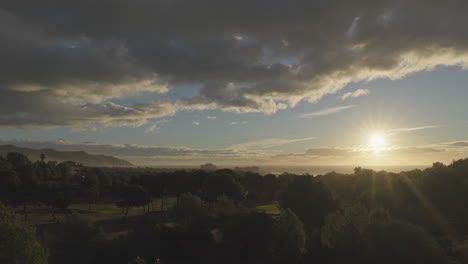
109, 217
106, 215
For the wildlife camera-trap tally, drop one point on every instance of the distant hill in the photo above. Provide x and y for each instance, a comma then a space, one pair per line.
59, 156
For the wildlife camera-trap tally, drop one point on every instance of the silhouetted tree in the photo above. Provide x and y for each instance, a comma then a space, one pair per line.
191, 209
288, 238
133, 195
90, 187
246, 238
9, 186
28, 191
58, 195
395, 242
78, 241
223, 182
224, 206
309, 199
18, 161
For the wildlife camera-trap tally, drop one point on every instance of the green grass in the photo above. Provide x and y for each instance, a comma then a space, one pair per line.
110, 218
170, 224
107, 215
105, 209
100, 212
272, 209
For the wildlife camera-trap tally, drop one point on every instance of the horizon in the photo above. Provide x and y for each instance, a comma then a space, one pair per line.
312, 170
276, 169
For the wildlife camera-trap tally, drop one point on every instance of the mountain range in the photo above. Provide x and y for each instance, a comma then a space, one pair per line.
78, 156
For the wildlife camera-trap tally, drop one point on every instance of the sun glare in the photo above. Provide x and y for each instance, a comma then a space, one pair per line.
377, 141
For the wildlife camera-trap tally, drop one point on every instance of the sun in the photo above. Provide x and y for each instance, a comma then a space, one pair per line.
377, 141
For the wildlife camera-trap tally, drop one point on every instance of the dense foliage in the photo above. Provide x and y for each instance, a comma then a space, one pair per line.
18, 244
419, 216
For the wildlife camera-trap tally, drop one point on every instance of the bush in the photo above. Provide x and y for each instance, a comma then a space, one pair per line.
18, 243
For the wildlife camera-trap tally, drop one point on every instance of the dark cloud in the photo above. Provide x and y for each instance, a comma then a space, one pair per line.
26, 110
33, 61
456, 144
245, 55
417, 150
328, 152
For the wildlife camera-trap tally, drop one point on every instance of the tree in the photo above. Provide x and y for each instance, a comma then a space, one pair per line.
58, 195
138, 260
288, 238
18, 243
370, 236
90, 187
105, 183
42, 157
445, 187
182, 182
348, 222
78, 241
17, 160
191, 209
224, 206
246, 238
27, 192
397, 242
223, 182
9, 186
133, 195
155, 185
261, 189
309, 199
5, 164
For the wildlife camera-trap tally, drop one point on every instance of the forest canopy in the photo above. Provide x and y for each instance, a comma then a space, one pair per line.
227, 216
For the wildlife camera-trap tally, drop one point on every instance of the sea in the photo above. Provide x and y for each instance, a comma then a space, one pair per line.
317, 170
312, 170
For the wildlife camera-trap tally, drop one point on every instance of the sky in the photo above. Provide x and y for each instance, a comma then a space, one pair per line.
171, 82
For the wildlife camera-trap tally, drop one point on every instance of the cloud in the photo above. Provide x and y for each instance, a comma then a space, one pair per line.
416, 150
231, 123
461, 144
327, 152
195, 123
327, 111
408, 129
211, 117
267, 143
79, 53
357, 93
237, 37
36, 114
151, 129
356, 152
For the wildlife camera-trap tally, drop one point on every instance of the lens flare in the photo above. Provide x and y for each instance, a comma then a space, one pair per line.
377, 141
